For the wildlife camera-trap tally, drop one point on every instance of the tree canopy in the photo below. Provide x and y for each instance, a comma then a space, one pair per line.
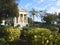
50, 18
8, 8
33, 13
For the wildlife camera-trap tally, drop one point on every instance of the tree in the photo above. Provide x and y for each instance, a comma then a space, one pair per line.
50, 18
8, 8
30, 20
58, 18
42, 13
58, 22
33, 13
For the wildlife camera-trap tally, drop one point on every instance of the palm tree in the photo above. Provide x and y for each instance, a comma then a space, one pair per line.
33, 13
42, 13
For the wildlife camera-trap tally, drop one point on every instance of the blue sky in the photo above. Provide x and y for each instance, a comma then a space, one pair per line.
50, 5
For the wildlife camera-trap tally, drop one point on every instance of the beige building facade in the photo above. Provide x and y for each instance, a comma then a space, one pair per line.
22, 19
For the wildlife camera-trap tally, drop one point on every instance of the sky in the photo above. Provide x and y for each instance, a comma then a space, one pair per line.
51, 6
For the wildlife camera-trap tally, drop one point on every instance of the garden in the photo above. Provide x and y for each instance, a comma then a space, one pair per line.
28, 36
46, 32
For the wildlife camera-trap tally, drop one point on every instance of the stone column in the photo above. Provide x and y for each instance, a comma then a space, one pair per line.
23, 18
15, 21
19, 19
26, 19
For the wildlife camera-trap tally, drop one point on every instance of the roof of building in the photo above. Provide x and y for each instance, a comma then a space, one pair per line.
22, 10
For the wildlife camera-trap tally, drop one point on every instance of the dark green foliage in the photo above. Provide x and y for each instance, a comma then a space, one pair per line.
50, 18
30, 21
2, 31
58, 42
8, 8
59, 15
3, 41
41, 36
54, 29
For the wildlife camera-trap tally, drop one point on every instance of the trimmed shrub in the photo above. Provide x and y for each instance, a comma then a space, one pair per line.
58, 39
10, 33
54, 29
41, 36
37, 36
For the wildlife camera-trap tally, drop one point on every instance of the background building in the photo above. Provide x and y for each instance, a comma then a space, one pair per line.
22, 19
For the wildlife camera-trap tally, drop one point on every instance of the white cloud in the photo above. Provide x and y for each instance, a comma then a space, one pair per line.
38, 1
38, 8
58, 2
53, 10
42, 8
52, 0
41, 0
